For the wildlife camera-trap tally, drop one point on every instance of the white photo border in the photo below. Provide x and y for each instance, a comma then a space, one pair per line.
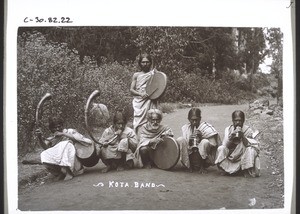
217, 13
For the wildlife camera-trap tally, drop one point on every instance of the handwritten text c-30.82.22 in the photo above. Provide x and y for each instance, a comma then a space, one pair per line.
55, 20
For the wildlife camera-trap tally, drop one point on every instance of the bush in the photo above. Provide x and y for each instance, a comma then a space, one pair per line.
45, 66
50, 67
167, 107
197, 88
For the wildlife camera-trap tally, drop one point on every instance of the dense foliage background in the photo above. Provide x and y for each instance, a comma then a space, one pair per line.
203, 65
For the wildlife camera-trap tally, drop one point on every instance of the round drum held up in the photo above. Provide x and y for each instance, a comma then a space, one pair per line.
157, 85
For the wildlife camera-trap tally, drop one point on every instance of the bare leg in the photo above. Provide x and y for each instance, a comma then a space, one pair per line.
67, 171
121, 162
130, 164
195, 159
132, 146
106, 169
144, 151
222, 172
202, 169
108, 166
55, 170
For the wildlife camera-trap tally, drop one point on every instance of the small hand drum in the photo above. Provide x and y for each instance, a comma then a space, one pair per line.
166, 154
156, 85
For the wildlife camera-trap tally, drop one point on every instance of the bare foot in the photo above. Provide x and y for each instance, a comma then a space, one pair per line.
80, 172
106, 169
59, 177
247, 174
120, 168
222, 173
203, 171
68, 177
147, 166
66, 171
130, 164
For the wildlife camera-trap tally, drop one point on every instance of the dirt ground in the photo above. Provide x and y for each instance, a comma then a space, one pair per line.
177, 189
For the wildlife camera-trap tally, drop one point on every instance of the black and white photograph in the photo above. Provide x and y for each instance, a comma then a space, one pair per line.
144, 117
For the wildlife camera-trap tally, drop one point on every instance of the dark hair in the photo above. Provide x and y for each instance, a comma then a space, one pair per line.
119, 116
144, 55
238, 113
194, 111
54, 121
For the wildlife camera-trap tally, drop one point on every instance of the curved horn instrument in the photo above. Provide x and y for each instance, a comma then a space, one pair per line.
86, 111
47, 96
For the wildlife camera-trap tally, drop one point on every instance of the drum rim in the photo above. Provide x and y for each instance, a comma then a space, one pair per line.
91, 154
178, 156
165, 85
90, 161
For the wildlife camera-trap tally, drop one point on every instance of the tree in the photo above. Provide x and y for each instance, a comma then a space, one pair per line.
275, 40
251, 51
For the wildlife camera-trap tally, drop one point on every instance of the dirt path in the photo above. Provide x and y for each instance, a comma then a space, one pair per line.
172, 190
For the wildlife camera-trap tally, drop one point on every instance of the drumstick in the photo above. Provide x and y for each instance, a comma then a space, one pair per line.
152, 93
111, 140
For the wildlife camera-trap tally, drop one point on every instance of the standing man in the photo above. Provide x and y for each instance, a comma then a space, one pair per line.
141, 102
198, 143
152, 134
239, 150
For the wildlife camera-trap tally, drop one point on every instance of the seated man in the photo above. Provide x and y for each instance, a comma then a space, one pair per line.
198, 143
118, 144
239, 150
59, 156
151, 134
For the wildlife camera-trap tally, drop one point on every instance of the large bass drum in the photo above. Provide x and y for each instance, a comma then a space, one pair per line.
156, 86
166, 154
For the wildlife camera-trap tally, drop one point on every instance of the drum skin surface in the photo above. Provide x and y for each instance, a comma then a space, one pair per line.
166, 154
87, 154
157, 85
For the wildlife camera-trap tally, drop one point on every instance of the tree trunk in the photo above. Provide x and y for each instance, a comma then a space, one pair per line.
279, 90
252, 63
